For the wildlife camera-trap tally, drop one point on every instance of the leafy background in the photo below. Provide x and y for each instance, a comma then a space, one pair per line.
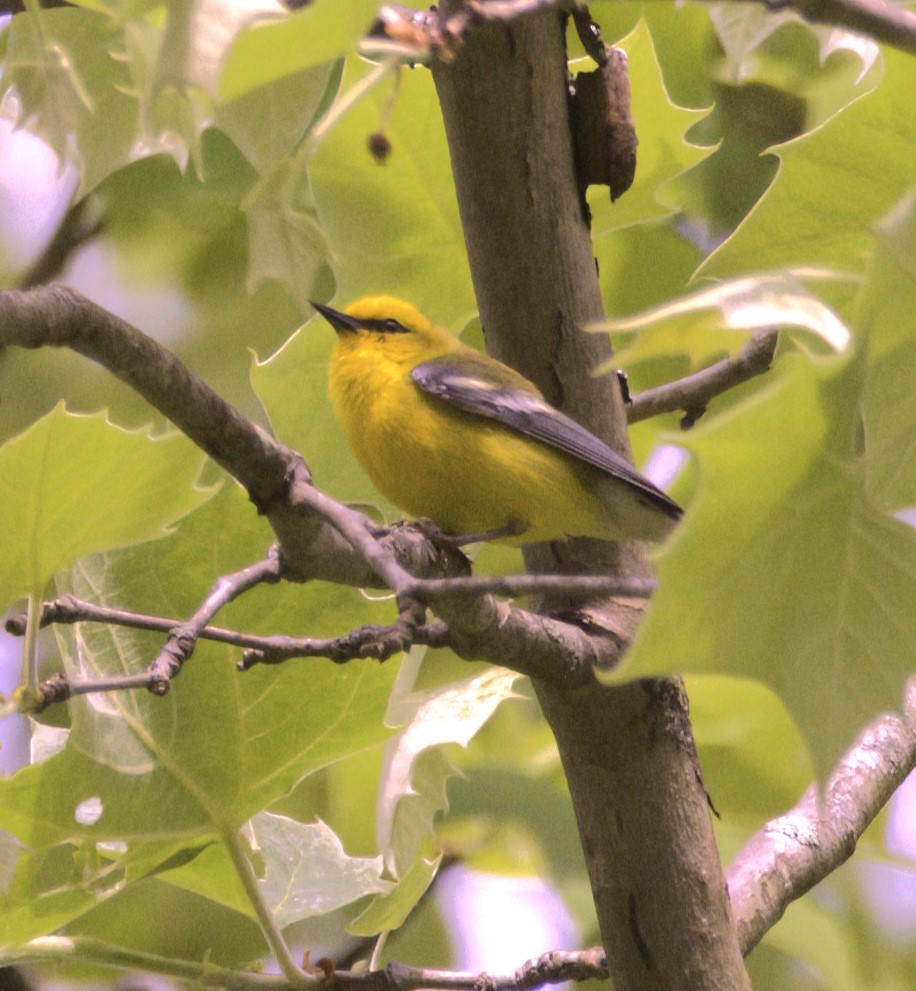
226, 195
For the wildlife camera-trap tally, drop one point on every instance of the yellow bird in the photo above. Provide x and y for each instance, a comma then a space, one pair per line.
451, 434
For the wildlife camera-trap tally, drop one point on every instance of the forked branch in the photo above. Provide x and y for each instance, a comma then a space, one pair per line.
318, 537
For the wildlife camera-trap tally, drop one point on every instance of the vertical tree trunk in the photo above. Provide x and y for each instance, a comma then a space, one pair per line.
627, 751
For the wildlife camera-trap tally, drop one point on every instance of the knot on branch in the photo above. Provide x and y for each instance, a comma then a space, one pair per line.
170, 659
376, 642
422, 549
557, 966
50, 691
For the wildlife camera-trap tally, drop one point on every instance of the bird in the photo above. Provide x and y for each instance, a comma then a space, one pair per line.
448, 433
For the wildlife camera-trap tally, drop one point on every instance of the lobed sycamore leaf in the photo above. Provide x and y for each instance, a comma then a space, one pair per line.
320, 32
394, 225
888, 308
59, 503
60, 79
753, 302
285, 239
302, 867
388, 912
429, 720
221, 745
784, 571
833, 184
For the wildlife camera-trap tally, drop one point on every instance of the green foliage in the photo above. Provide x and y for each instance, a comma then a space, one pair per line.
60, 505
212, 148
408, 233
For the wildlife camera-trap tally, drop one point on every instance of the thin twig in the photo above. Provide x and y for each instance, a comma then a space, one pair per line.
183, 639
73, 232
58, 688
363, 642
792, 853
263, 649
432, 589
554, 967
179, 646
68, 609
693, 392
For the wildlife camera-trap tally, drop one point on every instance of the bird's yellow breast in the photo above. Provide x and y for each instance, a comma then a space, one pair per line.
469, 474
454, 435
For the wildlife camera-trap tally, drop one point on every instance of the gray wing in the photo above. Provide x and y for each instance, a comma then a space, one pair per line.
477, 390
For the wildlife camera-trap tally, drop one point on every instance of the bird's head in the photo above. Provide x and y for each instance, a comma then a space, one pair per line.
389, 326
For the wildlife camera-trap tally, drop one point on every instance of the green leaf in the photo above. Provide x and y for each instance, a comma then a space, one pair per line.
681, 35
51, 887
388, 912
260, 122
833, 184
643, 265
320, 32
412, 791
72, 485
394, 227
286, 241
71, 91
222, 745
755, 763
304, 871
783, 571
811, 933
764, 300
181, 67
307, 872
742, 29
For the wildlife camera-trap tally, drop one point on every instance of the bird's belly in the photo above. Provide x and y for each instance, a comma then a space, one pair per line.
472, 476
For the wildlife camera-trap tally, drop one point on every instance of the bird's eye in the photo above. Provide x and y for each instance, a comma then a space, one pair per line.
391, 326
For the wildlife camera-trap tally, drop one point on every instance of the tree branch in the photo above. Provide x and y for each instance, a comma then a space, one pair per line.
882, 20
56, 316
72, 233
529, 643
318, 537
627, 750
554, 967
183, 639
423, 32
792, 853
693, 392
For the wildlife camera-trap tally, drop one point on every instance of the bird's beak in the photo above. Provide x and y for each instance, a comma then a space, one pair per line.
339, 321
